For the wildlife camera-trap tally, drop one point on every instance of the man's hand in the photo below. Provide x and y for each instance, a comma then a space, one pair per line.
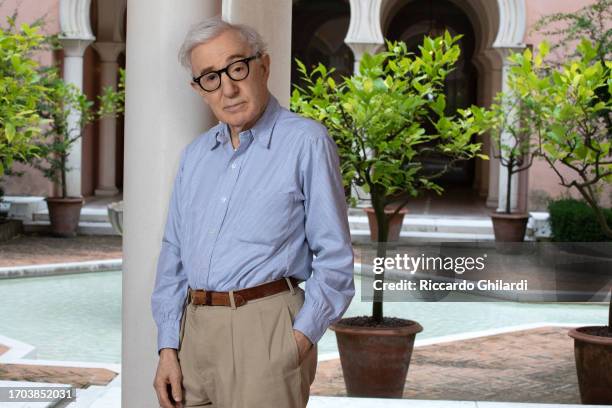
168, 380
303, 344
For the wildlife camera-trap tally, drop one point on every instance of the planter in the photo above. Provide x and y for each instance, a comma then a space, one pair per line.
64, 214
509, 227
375, 360
115, 215
395, 223
593, 365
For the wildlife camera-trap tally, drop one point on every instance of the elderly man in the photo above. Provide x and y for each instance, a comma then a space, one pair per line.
255, 197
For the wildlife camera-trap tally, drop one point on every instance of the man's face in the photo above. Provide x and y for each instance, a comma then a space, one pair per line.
237, 103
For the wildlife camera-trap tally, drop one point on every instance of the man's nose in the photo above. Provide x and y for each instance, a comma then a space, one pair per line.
229, 87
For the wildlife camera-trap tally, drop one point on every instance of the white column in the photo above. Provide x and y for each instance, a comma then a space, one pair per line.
509, 39
74, 48
108, 52
259, 15
364, 33
163, 114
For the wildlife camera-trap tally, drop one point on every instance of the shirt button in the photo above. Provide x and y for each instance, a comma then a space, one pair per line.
233, 165
223, 199
211, 231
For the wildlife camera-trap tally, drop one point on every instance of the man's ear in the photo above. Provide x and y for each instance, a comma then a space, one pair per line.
265, 64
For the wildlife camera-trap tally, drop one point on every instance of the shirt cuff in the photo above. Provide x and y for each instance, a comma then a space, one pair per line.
312, 321
168, 335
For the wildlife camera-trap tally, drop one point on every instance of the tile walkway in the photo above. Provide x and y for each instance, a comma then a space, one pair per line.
534, 365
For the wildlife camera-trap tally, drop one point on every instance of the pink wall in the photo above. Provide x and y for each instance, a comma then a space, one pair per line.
32, 182
542, 179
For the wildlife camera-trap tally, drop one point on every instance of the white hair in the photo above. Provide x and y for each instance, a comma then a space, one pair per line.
206, 30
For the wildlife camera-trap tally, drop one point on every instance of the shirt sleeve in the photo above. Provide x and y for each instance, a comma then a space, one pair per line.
170, 290
330, 288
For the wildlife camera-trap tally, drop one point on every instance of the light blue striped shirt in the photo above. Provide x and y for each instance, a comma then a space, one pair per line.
241, 218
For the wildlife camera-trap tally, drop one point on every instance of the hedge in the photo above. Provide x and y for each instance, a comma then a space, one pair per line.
574, 221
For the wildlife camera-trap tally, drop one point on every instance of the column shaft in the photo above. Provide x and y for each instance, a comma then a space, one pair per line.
109, 73
74, 48
162, 115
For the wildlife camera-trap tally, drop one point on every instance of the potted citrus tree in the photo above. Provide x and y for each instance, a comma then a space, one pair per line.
63, 100
376, 118
514, 119
54, 146
576, 143
574, 138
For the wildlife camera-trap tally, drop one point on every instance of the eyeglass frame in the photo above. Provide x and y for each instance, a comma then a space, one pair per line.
222, 70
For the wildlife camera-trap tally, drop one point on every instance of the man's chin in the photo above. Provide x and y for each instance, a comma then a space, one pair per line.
236, 121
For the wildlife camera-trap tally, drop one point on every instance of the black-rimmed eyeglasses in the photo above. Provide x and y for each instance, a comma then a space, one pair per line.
236, 71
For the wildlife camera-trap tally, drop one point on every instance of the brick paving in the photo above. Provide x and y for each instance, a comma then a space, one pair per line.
528, 366
79, 377
534, 366
35, 249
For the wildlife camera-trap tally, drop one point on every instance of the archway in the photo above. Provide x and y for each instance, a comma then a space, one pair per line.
318, 31
410, 24
499, 28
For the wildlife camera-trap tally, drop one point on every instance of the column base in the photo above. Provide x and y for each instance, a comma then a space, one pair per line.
106, 191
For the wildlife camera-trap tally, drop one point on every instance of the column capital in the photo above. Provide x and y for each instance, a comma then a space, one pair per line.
108, 51
75, 47
364, 26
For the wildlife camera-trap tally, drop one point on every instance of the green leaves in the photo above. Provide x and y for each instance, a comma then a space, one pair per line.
21, 89
561, 113
35, 104
378, 116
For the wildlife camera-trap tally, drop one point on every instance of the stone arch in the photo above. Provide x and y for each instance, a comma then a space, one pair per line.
500, 23
499, 28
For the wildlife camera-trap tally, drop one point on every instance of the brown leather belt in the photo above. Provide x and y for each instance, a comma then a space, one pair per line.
242, 296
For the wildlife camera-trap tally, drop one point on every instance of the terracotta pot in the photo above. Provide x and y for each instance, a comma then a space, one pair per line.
395, 224
375, 360
64, 214
593, 365
509, 227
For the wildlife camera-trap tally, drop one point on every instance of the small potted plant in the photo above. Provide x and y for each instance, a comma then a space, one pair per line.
54, 147
376, 119
515, 118
62, 101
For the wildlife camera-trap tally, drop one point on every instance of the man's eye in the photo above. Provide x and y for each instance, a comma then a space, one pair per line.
210, 77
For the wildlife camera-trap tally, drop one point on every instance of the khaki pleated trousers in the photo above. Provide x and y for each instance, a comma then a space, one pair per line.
245, 357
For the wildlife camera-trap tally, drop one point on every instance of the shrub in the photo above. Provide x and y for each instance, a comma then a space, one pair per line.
575, 221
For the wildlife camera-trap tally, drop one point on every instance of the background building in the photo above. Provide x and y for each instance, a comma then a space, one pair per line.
335, 32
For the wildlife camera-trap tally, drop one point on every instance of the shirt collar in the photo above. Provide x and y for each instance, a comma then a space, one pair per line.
261, 131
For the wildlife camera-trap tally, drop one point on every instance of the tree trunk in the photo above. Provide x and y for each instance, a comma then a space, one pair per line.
381, 251
509, 184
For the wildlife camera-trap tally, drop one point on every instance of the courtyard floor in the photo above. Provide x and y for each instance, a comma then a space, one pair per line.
535, 365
